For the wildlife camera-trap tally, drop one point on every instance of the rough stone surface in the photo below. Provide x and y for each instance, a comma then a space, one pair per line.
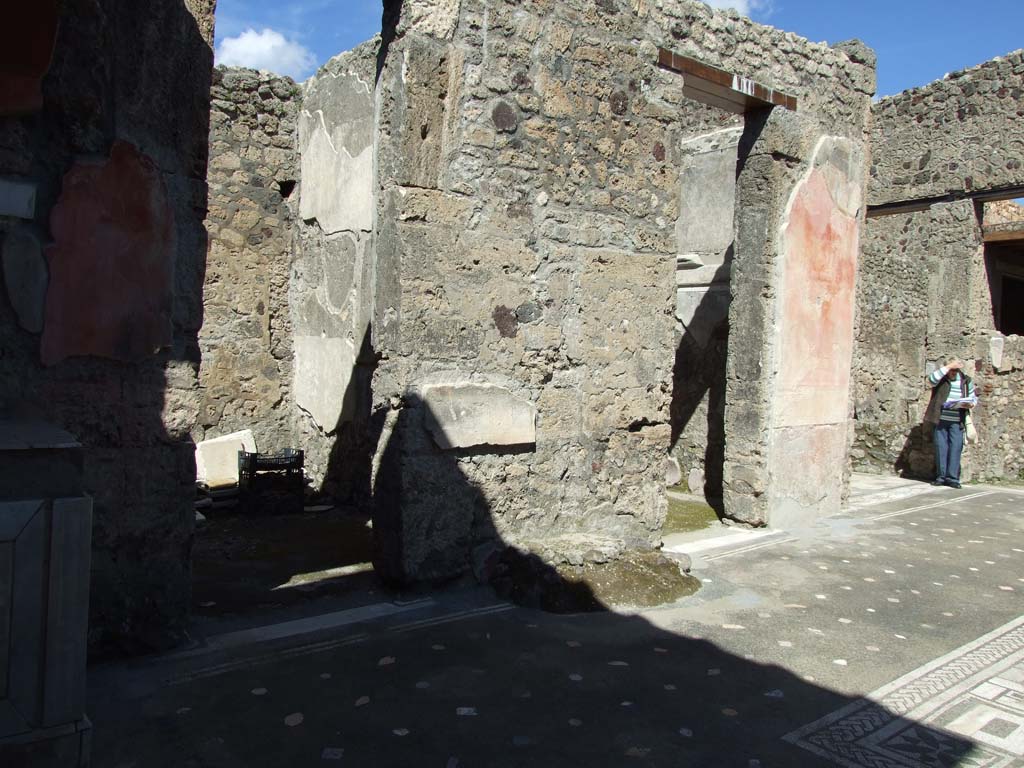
926, 286
1003, 212
568, 200
137, 73
26, 277
704, 234
924, 297
246, 339
959, 134
111, 266
792, 261
333, 272
472, 415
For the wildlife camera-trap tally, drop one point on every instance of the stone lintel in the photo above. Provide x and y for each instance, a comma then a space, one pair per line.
924, 203
719, 88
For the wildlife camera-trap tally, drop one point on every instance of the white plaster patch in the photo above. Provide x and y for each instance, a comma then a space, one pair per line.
323, 379
470, 415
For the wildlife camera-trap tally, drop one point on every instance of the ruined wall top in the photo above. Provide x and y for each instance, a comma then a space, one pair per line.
1004, 212
960, 134
828, 81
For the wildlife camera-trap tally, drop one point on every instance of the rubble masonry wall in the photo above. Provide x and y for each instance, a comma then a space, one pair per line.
103, 270
924, 292
528, 195
246, 339
960, 134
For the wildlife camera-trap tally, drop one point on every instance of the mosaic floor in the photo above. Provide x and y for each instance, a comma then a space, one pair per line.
975, 693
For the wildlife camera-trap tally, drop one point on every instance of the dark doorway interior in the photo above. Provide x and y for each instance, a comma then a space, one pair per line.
1011, 311
1005, 264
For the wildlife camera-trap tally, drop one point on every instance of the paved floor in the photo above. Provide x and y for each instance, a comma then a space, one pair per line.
890, 636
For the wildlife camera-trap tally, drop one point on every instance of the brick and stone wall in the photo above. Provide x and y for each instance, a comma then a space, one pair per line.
918, 273
1003, 212
512, 242
103, 149
960, 134
925, 292
246, 340
528, 233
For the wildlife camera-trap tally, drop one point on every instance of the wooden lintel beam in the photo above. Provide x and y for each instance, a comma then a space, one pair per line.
924, 203
1003, 233
703, 78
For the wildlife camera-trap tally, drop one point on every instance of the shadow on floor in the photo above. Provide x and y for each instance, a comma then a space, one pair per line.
243, 563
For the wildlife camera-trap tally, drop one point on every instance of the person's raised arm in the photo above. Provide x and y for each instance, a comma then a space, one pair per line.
940, 373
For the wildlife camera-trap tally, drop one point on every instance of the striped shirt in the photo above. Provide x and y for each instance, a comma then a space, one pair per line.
956, 392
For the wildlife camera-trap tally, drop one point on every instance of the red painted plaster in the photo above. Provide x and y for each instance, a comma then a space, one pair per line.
112, 262
820, 261
27, 37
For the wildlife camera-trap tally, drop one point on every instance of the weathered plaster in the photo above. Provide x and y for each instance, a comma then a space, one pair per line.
112, 261
336, 135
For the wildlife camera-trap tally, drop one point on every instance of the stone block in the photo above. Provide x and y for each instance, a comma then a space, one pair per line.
472, 415
323, 383
26, 277
217, 459
673, 474
996, 345
17, 198
695, 481
436, 18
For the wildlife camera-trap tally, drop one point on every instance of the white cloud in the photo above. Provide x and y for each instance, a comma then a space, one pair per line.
745, 7
268, 50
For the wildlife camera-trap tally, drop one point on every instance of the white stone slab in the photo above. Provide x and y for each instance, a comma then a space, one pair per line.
217, 459
996, 344
17, 198
468, 415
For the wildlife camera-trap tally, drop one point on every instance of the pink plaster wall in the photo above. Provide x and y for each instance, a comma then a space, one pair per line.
112, 261
818, 294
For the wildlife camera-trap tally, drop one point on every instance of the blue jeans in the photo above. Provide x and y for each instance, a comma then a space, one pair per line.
949, 444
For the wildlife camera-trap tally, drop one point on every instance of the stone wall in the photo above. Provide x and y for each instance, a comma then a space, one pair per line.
704, 243
925, 296
103, 149
925, 288
246, 340
334, 275
529, 177
918, 274
1003, 212
999, 369
960, 134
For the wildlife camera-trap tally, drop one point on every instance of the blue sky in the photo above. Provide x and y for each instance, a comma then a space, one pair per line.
917, 41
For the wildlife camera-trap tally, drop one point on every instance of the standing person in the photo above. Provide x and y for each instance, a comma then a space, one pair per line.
953, 395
